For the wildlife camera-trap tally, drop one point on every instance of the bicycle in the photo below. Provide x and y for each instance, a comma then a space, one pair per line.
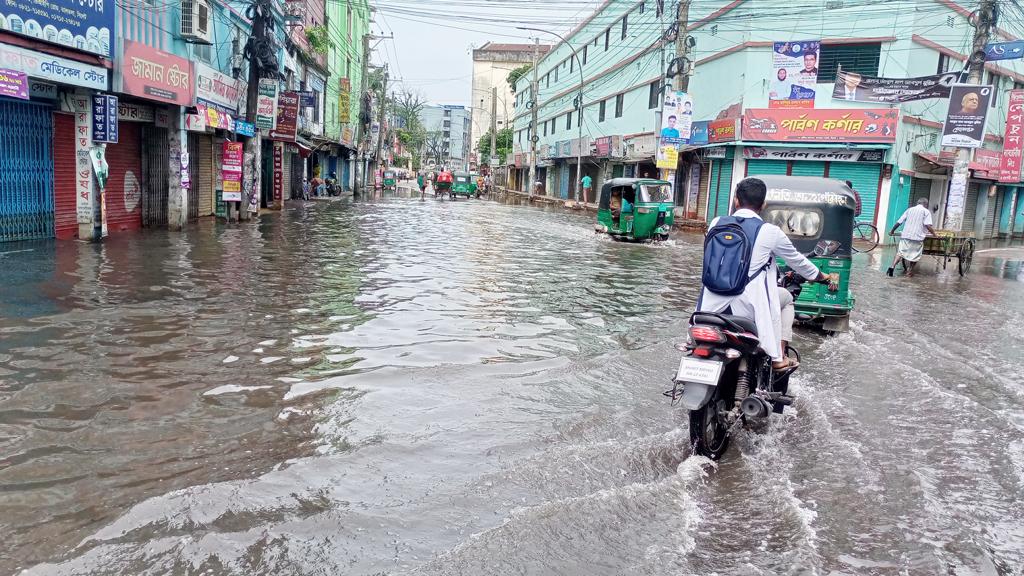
865, 237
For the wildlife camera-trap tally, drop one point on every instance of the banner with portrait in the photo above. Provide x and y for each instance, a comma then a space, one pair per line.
794, 74
966, 116
854, 87
677, 124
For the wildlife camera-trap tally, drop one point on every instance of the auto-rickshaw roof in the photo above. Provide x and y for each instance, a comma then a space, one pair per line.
615, 182
806, 184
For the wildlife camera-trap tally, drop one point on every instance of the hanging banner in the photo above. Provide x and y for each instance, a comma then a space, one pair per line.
676, 120
821, 125
266, 104
13, 84
150, 73
795, 67
854, 87
80, 24
1004, 50
1013, 139
287, 117
231, 171
966, 116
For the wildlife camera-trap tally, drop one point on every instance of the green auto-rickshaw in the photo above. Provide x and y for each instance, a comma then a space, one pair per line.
809, 210
635, 209
463, 185
390, 180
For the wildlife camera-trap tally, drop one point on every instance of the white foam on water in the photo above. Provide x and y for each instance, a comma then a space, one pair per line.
270, 359
231, 389
267, 343
230, 359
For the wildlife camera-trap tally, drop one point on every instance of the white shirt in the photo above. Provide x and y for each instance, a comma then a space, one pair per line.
760, 300
914, 222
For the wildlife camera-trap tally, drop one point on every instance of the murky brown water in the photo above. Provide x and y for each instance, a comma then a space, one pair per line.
390, 387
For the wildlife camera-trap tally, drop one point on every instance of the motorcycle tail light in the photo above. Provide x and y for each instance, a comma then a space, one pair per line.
702, 351
732, 354
706, 334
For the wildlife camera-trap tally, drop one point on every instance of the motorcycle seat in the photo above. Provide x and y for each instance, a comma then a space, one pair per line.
721, 319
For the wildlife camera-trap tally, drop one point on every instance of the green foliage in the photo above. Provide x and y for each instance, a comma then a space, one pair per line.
318, 39
516, 74
504, 142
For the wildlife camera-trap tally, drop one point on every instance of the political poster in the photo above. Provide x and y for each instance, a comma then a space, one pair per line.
795, 74
677, 122
232, 171
966, 116
1013, 139
854, 87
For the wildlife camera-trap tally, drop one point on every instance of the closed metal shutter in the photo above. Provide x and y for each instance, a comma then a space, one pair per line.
26, 171
194, 146
994, 205
919, 188
866, 179
286, 178
702, 193
206, 176
801, 168
970, 207
123, 202
724, 184
755, 167
65, 216
155, 185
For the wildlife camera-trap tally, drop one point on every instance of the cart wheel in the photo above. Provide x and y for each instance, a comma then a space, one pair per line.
966, 256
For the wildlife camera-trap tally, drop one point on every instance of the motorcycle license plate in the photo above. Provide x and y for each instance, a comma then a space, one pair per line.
699, 371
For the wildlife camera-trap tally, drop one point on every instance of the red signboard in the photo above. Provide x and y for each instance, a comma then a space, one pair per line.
603, 146
278, 172
232, 172
722, 130
1013, 139
156, 75
287, 117
986, 164
821, 125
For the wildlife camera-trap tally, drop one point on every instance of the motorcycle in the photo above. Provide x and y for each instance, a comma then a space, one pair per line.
725, 378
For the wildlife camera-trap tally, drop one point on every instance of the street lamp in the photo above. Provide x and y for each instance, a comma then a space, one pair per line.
579, 97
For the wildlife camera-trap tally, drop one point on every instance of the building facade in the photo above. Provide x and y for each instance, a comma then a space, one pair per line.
492, 64
347, 23
892, 159
448, 135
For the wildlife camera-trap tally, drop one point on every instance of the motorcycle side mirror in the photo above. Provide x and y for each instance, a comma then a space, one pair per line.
826, 248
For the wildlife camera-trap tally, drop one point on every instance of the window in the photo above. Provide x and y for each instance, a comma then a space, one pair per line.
600, 110
556, 74
572, 64
553, 126
860, 58
547, 80
316, 107
202, 52
607, 38
994, 80
348, 22
568, 121
643, 7
618, 105
625, 25
545, 127
584, 59
659, 7
655, 95
348, 67
946, 63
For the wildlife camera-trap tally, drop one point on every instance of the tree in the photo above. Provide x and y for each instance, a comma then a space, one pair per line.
504, 142
405, 109
516, 74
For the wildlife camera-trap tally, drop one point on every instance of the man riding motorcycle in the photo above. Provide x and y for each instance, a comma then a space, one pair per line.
760, 301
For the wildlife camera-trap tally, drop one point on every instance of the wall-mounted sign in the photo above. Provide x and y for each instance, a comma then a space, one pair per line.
53, 68
858, 88
243, 128
129, 112
266, 104
232, 171
345, 100
13, 84
821, 125
80, 24
822, 154
795, 71
722, 130
156, 75
214, 87
718, 152
278, 171
966, 116
1013, 138
104, 118
287, 117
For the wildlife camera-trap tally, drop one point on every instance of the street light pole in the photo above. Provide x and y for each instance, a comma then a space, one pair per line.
579, 109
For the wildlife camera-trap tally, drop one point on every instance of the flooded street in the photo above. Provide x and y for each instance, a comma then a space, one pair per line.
391, 386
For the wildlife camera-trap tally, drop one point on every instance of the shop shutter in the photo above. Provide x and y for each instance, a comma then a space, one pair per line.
970, 207
1018, 218
124, 186
724, 184
801, 168
194, 147
702, 194
755, 167
206, 187
994, 205
286, 178
866, 179
155, 185
26, 171
65, 202
919, 188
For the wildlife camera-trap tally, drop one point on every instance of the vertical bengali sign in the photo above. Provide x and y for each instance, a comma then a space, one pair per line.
278, 171
795, 71
1013, 139
231, 169
345, 101
266, 104
13, 84
287, 117
104, 118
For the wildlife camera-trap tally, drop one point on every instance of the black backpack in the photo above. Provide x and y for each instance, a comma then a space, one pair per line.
728, 248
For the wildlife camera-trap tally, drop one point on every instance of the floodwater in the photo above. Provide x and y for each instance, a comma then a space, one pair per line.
390, 386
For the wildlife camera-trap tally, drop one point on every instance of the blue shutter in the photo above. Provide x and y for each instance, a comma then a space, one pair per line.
26, 171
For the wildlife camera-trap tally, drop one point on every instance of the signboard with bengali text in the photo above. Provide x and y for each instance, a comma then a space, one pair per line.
821, 125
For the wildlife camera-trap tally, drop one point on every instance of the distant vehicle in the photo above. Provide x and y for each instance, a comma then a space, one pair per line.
390, 180
464, 185
635, 209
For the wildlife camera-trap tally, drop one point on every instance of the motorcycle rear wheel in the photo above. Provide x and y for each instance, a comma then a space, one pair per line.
709, 437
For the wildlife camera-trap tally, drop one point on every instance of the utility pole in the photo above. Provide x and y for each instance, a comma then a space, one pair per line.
534, 101
253, 144
494, 126
360, 135
984, 22
682, 81
380, 118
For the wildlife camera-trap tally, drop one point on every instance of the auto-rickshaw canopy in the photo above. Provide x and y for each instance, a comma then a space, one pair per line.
635, 190
809, 209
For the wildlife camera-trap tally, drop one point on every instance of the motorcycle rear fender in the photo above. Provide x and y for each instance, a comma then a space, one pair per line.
696, 396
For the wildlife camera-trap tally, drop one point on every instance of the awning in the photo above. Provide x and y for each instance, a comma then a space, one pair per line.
982, 171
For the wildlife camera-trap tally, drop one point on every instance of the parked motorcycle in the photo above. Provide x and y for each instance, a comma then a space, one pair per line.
725, 378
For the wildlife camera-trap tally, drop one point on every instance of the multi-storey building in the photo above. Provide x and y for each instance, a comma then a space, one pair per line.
891, 162
492, 64
348, 23
448, 130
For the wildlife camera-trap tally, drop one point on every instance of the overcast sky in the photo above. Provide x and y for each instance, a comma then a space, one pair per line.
432, 48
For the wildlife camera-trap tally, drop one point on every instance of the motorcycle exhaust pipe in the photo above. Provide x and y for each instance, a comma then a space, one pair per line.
755, 407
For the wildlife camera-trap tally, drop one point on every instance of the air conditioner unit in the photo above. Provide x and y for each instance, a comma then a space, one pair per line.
195, 21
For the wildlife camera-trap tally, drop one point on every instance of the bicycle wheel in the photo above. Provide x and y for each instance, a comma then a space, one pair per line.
865, 237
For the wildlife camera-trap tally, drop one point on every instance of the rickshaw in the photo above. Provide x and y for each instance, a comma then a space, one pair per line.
463, 185
442, 184
810, 209
635, 209
390, 180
